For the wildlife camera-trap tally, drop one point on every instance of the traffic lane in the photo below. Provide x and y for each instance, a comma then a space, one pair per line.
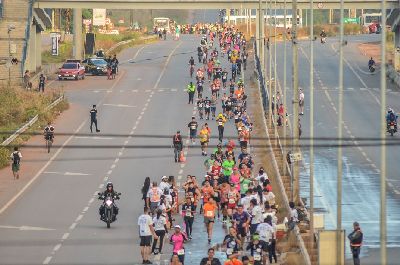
77, 183
366, 179
122, 178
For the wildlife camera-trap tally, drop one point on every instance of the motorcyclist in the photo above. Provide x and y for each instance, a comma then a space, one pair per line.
391, 117
323, 36
48, 132
109, 192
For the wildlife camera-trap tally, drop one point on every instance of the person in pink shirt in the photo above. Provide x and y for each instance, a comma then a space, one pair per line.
235, 178
177, 239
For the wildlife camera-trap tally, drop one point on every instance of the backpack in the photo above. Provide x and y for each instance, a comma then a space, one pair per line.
392, 117
16, 158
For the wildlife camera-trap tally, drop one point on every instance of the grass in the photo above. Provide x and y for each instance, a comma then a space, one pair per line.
65, 52
18, 107
106, 41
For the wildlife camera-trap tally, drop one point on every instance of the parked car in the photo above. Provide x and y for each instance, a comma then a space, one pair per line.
71, 69
95, 66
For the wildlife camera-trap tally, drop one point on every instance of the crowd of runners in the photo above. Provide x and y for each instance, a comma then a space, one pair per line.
230, 194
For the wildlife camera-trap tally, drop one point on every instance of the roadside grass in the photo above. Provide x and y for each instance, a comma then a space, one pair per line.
65, 52
18, 107
106, 41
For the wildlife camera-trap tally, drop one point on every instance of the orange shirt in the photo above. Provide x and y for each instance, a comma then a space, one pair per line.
209, 209
207, 193
233, 261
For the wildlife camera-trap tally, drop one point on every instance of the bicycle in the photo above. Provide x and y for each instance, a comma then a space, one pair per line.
49, 142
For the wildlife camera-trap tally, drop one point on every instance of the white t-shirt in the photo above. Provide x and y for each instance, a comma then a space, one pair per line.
256, 213
154, 194
269, 197
164, 185
144, 222
258, 178
159, 223
272, 214
294, 215
265, 231
245, 201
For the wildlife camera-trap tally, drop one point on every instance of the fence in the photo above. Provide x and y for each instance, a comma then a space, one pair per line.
265, 104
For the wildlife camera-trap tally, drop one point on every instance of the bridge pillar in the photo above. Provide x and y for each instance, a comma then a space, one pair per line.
78, 38
30, 63
257, 33
396, 62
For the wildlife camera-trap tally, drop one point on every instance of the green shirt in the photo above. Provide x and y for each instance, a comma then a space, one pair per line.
244, 185
227, 167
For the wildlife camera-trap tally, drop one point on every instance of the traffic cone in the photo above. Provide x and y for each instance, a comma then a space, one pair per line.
182, 159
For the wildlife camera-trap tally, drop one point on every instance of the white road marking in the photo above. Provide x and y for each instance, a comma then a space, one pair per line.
113, 166
161, 90
116, 160
174, 90
72, 227
135, 90
179, 177
109, 172
47, 260
91, 200
120, 153
57, 247
120, 105
147, 90
94, 138
101, 186
26, 228
180, 171
65, 236
79, 218
140, 117
85, 209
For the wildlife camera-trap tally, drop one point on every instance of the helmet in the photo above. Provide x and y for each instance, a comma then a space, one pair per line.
109, 184
390, 110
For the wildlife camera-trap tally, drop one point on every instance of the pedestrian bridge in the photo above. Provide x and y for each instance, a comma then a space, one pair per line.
208, 4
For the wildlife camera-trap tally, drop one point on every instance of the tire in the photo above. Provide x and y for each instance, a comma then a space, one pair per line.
48, 146
77, 77
83, 77
391, 132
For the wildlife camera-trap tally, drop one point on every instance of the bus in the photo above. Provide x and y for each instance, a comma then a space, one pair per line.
162, 23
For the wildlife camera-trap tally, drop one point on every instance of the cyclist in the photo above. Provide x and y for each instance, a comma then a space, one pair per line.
48, 132
178, 145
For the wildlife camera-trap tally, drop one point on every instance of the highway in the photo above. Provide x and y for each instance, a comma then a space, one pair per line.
361, 120
139, 112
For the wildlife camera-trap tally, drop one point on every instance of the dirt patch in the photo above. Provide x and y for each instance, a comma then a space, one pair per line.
371, 49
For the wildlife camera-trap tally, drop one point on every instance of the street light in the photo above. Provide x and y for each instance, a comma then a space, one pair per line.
9, 29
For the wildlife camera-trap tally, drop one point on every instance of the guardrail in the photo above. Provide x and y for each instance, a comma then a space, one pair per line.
127, 42
32, 121
264, 95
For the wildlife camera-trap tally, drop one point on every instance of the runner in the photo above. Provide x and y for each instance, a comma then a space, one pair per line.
209, 217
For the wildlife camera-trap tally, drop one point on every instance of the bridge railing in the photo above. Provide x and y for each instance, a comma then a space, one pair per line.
261, 80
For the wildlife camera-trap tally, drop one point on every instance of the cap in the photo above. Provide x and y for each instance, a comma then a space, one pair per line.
164, 177
232, 184
356, 224
178, 131
240, 128
177, 226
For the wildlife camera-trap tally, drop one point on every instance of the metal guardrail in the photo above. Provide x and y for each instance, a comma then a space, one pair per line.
264, 96
126, 42
32, 121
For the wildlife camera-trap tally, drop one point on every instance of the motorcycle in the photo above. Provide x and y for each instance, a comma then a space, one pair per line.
371, 68
392, 128
110, 209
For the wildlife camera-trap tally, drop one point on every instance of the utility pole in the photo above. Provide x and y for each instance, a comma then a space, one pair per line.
284, 88
311, 124
382, 214
340, 135
271, 102
295, 83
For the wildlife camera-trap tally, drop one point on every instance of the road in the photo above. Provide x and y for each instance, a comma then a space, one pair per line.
139, 112
361, 120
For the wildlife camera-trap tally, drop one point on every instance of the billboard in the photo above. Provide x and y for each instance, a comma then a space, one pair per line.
99, 17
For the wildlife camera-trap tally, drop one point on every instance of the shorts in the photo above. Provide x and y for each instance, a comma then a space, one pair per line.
193, 134
228, 108
264, 245
153, 206
232, 206
223, 205
204, 143
208, 220
15, 167
253, 228
241, 231
145, 241
301, 103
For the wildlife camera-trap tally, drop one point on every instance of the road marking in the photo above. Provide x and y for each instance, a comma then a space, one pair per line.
180, 171
26, 228
79, 218
120, 153
161, 90
120, 105
47, 260
92, 200
72, 227
65, 236
174, 90
113, 166
57, 247
147, 90
165, 65
94, 137
135, 90
101, 186
109, 172
85, 209
116, 160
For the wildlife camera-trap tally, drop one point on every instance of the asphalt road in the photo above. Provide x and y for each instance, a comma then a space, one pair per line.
361, 120
138, 114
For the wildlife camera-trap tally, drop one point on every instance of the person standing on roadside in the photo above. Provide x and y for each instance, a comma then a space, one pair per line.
93, 118
301, 102
178, 146
356, 239
210, 260
16, 159
191, 89
146, 231
42, 80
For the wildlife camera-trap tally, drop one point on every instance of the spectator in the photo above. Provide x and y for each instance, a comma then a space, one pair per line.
210, 260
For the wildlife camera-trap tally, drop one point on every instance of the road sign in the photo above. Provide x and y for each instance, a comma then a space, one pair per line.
351, 20
320, 5
55, 38
295, 157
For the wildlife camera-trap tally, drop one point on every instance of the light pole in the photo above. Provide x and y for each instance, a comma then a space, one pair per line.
9, 29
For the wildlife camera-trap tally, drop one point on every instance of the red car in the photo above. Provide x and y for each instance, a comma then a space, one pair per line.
71, 70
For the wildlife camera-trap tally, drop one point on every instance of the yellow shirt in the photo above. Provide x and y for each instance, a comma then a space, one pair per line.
203, 135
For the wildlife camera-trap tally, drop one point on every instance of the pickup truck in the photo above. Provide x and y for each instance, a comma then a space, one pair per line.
71, 69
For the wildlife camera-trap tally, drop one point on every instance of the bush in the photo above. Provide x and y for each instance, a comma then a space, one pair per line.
64, 53
4, 157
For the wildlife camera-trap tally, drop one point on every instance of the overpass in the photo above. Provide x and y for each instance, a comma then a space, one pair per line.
207, 4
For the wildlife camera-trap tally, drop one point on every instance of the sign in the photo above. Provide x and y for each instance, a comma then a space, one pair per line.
55, 40
99, 17
295, 157
320, 5
87, 22
13, 48
351, 20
